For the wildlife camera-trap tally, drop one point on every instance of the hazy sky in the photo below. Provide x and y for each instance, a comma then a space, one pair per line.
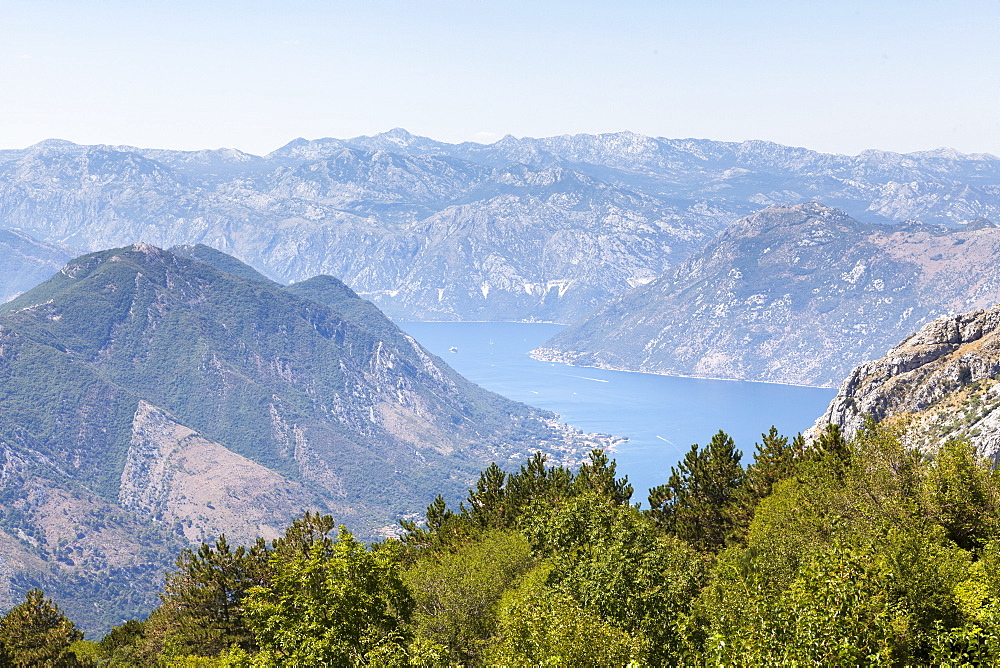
835, 76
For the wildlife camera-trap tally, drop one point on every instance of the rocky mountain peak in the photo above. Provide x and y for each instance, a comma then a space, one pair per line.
301, 149
821, 220
401, 135
53, 143
147, 249
978, 224
956, 330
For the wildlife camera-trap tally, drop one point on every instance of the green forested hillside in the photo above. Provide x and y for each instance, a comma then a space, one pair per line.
214, 349
139, 380
840, 553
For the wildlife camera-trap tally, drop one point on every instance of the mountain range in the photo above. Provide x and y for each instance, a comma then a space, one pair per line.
152, 399
522, 229
26, 262
793, 294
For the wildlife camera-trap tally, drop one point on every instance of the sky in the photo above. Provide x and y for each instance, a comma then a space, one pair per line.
838, 76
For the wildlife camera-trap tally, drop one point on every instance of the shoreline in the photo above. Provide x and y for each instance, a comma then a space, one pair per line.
608, 367
486, 322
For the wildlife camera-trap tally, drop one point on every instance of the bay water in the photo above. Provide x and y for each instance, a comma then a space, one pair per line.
661, 415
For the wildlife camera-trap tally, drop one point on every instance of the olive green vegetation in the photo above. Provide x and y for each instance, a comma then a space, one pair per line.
37, 633
221, 261
842, 553
246, 362
123, 325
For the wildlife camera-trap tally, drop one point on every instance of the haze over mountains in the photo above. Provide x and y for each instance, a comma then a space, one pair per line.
794, 294
520, 229
137, 380
26, 262
151, 398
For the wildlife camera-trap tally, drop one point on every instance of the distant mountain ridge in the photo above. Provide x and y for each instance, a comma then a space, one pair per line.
521, 229
793, 294
166, 397
25, 262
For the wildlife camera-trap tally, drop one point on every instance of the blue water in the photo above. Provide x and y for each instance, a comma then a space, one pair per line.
661, 415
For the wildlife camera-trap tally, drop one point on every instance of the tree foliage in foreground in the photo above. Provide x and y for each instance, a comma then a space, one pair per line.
698, 502
833, 552
37, 633
330, 601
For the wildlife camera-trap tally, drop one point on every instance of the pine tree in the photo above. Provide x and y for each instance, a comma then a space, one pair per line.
698, 502
437, 514
832, 445
304, 534
202, 611
598, 475
536, 484
487, 503
775, 459
37, 633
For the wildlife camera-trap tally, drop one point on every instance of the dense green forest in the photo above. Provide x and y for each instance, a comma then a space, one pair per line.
845, 553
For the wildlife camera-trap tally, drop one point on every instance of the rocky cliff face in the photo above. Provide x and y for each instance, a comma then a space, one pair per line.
524, 228
798, 294
174, 475
942, 382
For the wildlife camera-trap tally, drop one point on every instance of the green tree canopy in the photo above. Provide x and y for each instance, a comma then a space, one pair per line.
697, 504
37, 633
457, 592
328, 601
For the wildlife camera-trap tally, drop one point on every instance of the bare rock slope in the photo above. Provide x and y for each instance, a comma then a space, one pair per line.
524, 228
942, 382
793, 294
174, 475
